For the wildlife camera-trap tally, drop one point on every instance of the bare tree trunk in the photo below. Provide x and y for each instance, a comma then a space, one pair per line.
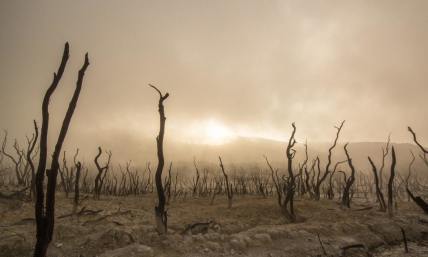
379, 194
391, 184
78, 166
45, 215
288, 204
346, 199
102, 171
228, 186
327, 168
160, 212
31, 147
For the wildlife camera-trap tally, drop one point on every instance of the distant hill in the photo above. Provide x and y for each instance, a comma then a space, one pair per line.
244, 151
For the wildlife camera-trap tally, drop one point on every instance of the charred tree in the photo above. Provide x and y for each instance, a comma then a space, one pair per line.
423, 149
78, 166
346, 199
102, 172
379, 194
229, 190
195, 180
317, 192
417, 199
276, 182
45, 212
31, 145
160, 212
290, 186
391, 183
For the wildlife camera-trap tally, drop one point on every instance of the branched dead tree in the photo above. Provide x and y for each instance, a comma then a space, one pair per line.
385, 152
391, 183
379, 194
417, 199
317, 192
160, 212
423, 149
45, 213
195, 180
290, 185
102, 172
229, 189
330, 191
17, 161
276, 182
346, 199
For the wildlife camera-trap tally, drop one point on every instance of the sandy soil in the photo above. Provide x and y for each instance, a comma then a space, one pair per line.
253, 227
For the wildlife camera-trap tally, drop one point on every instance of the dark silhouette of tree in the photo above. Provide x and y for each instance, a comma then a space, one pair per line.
102, 172
346, 199
229, 188
391, 183
78, 166
317, 193
290, 185
45, 211
423, 149
160, 212
417, 199
379, 194
31, 146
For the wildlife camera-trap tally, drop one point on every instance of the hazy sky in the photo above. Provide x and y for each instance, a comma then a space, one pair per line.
245, 68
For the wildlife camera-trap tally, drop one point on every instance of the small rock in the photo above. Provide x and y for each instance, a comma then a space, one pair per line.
213, 246
263, 238
238, 244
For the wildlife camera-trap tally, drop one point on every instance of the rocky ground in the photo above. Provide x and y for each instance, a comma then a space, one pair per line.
123, 226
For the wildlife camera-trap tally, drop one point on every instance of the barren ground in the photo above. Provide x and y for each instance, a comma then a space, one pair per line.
253, 227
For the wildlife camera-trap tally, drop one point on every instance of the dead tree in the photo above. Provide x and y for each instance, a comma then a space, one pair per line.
385, 152
31, 145
64, 175
195, 180
290, 185
379, 194
391, 183
330, 191
78, 166
229, 189
423, 149
102, 172
346, 199
160, 212
45, 214
276, 182
17, 161
317, 192
417, 199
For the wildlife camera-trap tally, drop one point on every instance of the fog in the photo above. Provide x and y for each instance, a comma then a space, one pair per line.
233, 69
